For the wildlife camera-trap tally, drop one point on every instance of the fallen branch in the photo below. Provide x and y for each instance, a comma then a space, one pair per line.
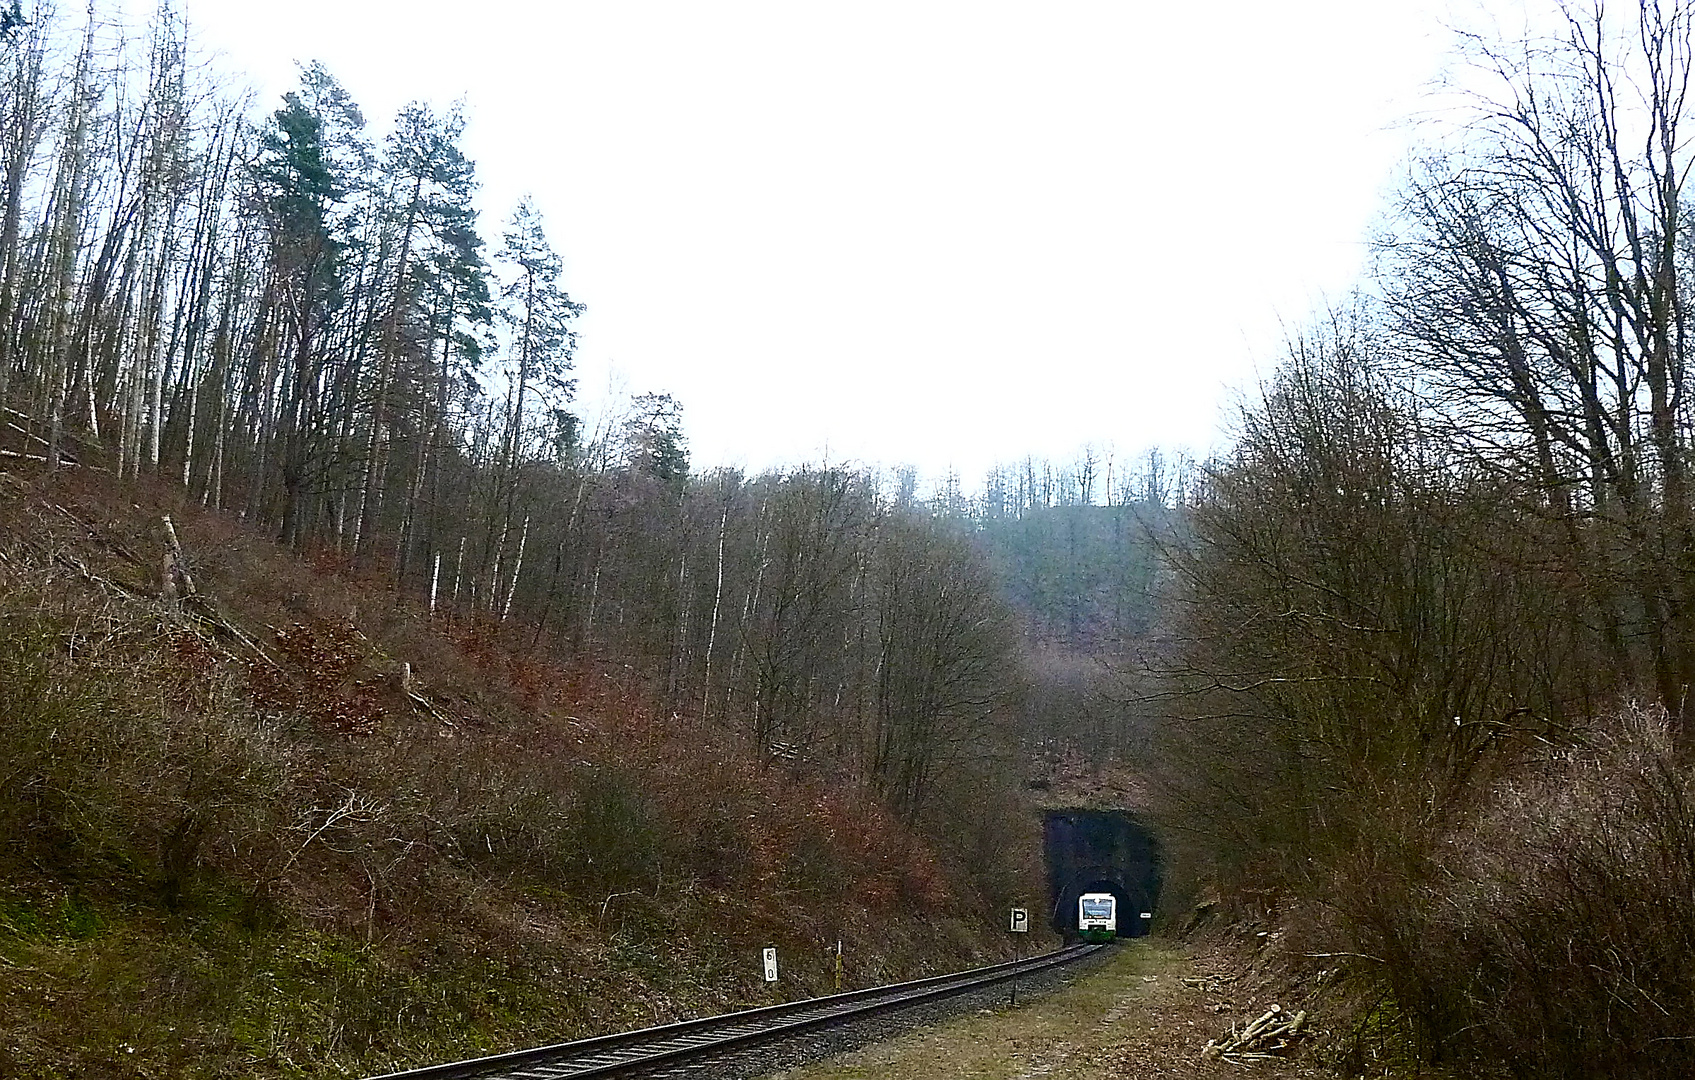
100, 538
200, 608
176, 567
1267, 1038
65, 457
133, 592
410, 686
196, 608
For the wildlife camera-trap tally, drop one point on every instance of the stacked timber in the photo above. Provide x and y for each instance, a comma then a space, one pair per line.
1265, 1039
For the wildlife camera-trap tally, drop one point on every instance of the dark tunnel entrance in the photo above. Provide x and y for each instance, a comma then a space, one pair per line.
1101, 851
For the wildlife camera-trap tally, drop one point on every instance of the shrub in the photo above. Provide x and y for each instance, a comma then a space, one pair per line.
616, 835
119, 766
1552, 936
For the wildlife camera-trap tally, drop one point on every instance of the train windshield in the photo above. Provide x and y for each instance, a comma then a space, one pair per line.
1097, 909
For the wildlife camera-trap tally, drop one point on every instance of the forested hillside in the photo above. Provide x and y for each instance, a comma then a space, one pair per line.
1076, 550
295, 319
361, 706
1432, 711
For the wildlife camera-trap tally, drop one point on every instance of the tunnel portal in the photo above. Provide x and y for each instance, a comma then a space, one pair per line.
1100, 851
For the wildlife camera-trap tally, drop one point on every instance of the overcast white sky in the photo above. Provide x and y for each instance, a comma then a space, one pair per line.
938, 233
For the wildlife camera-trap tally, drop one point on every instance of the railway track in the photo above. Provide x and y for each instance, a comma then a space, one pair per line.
693, 1042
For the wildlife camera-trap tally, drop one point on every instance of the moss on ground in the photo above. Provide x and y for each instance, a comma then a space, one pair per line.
104, 992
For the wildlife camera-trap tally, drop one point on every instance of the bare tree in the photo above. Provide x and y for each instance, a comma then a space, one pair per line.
1540, 288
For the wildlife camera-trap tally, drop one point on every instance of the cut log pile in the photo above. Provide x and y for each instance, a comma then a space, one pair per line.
1266, 1039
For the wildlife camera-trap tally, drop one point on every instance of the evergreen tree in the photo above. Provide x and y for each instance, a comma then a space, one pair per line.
654, 444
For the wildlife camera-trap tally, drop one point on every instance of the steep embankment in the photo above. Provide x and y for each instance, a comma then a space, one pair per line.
259, 815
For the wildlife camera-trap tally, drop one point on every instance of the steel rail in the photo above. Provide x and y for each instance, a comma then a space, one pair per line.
668, 1044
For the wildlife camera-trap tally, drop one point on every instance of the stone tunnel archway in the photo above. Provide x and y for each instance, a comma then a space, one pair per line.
1100, 851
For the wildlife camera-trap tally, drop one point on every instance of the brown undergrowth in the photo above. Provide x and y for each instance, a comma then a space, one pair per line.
287, 824
1542, 933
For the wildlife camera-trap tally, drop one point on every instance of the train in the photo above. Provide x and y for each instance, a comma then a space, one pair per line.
1097, 916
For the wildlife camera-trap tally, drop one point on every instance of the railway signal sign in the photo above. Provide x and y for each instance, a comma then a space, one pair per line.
1020, 920
770, 965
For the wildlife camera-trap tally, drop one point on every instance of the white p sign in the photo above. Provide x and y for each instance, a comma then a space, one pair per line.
770, 965
1020, 920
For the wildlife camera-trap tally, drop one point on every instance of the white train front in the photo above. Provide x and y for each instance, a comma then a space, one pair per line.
1097, 916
